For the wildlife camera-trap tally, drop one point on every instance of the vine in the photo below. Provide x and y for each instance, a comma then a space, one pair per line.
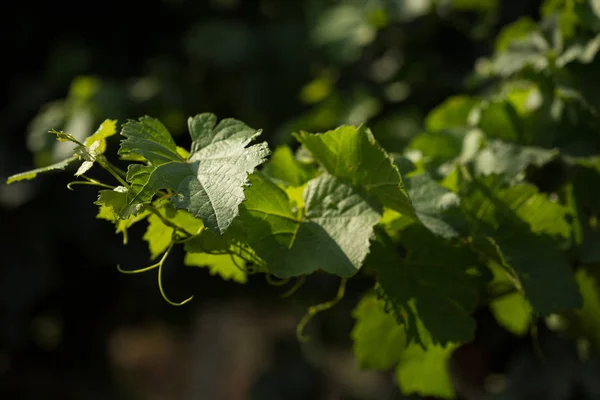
454, 224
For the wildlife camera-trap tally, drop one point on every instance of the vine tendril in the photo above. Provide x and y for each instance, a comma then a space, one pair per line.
274, 282
158, 265
314, 310
297, 285
90, 182
160, 285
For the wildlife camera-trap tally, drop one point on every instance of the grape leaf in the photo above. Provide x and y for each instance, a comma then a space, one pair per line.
583, 52
510, 160
512, 311
380, 343
225, 265
499, 119
527, 52
353, 153
437, 208
108, 201
524, 226
332, 236
452, 113
444, 289
210, 183
379, 340
159, 236
588, 318
582, 195
285, 169
440, 146
426, 371
107, 129
28, 175
116, 201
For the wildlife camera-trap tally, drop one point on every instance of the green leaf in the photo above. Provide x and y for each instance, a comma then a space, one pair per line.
524, 226
582, 196
285, 169
28, 175
225, 265
510, 160
500, 119
452, 113
333, 236
353, 153
437, 208
379, 340
583, 52
444, 289
107, 129
116, 201
159, 236
426, 372
149, 138
515, 31
530, 51
440, 146
380, 343
588, 318
512, 311
210, 183
108, 201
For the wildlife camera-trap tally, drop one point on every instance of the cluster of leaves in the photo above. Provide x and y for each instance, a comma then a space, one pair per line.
494, 205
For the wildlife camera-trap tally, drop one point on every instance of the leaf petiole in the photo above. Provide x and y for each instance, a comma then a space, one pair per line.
104, 163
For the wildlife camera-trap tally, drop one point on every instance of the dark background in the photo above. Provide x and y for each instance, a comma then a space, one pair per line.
71, 326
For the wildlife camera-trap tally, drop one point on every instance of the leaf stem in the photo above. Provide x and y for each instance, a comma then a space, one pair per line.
313, 310
114, 167
112, 170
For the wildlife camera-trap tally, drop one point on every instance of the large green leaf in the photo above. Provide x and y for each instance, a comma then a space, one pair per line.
210, 183
353, 153
380, 343
525, 227
440, 278
333, 235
